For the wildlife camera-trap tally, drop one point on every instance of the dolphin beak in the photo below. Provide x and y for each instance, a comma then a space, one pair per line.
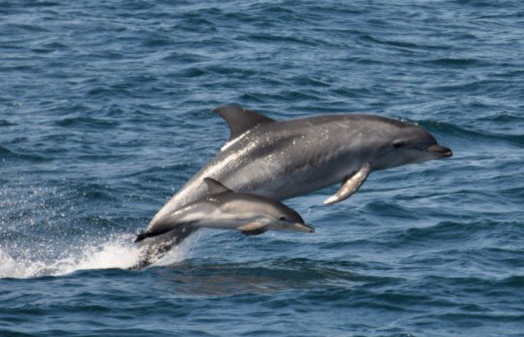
440, 151
301, 227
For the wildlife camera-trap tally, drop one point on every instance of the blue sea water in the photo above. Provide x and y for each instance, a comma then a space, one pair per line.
105, 113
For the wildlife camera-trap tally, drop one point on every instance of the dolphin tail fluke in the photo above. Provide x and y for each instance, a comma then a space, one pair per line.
154, 248
140, 237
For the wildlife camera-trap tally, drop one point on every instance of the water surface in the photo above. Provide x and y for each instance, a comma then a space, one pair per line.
105, 113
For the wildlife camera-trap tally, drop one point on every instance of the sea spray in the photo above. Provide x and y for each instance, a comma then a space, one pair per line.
116, 251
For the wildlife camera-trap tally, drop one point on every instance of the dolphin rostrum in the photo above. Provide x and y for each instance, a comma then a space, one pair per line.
224, 209
283, 159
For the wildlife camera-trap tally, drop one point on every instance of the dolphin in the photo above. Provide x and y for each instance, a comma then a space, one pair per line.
224, 209
283, 159
221, 208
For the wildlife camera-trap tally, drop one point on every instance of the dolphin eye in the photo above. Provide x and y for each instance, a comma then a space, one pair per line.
282, 218
398, 144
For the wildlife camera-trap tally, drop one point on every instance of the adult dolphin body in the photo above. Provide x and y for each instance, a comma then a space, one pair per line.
283, 159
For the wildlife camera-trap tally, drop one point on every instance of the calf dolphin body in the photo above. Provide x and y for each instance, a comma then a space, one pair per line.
224, 209
283, 159
221, 208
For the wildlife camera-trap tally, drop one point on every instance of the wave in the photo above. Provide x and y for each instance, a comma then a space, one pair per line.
6, 153
117, 251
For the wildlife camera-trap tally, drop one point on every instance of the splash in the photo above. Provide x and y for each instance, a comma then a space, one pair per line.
115, 252
39, 237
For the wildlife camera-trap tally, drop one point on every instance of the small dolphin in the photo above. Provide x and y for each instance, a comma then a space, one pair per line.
283, 159
224, 209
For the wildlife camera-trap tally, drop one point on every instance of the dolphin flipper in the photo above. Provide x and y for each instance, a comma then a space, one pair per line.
254, 232
253, 228
350, 185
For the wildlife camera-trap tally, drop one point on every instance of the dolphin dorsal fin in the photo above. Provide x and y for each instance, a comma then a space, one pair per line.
240, 120
214, 187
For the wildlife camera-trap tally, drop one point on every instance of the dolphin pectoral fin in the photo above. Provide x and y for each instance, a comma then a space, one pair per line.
240, 120
255, 232
350, 185
253, 228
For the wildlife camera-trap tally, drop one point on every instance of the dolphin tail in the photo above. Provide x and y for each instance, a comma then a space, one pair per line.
140, 237
156, 247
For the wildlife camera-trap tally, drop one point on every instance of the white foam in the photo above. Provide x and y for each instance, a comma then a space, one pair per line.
43, 209
116, 252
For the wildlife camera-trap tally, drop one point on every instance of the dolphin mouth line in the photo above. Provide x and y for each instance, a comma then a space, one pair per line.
304, 228
442, 151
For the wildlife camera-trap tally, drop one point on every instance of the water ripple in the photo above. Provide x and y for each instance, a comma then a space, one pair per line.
105, 113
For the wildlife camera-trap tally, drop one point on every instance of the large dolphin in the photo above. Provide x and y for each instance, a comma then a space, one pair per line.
283, 159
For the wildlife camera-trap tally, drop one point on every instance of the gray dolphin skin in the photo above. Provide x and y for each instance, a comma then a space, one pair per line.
224, 209
283, 159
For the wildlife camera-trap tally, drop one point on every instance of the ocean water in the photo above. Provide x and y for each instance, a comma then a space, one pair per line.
105, 114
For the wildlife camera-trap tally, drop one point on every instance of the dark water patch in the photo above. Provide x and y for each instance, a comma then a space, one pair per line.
514, 281
55, 45
90, 122
259, 277
95, 191
516, 194
471, 87
100, 92
503, 118
282, 11
483, 3
466, 320
188, 58
8, 156
471, 134
36, 4
158, 42
419, 235
364, 60
510, 257
310, 81
318, 10
404, 46
14, 333
455, 62
509, 73
16, 68
193, 72
281, 39
348, 92
387, 209
19, 28
230, 71
464, 232
4, 152
469, 285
